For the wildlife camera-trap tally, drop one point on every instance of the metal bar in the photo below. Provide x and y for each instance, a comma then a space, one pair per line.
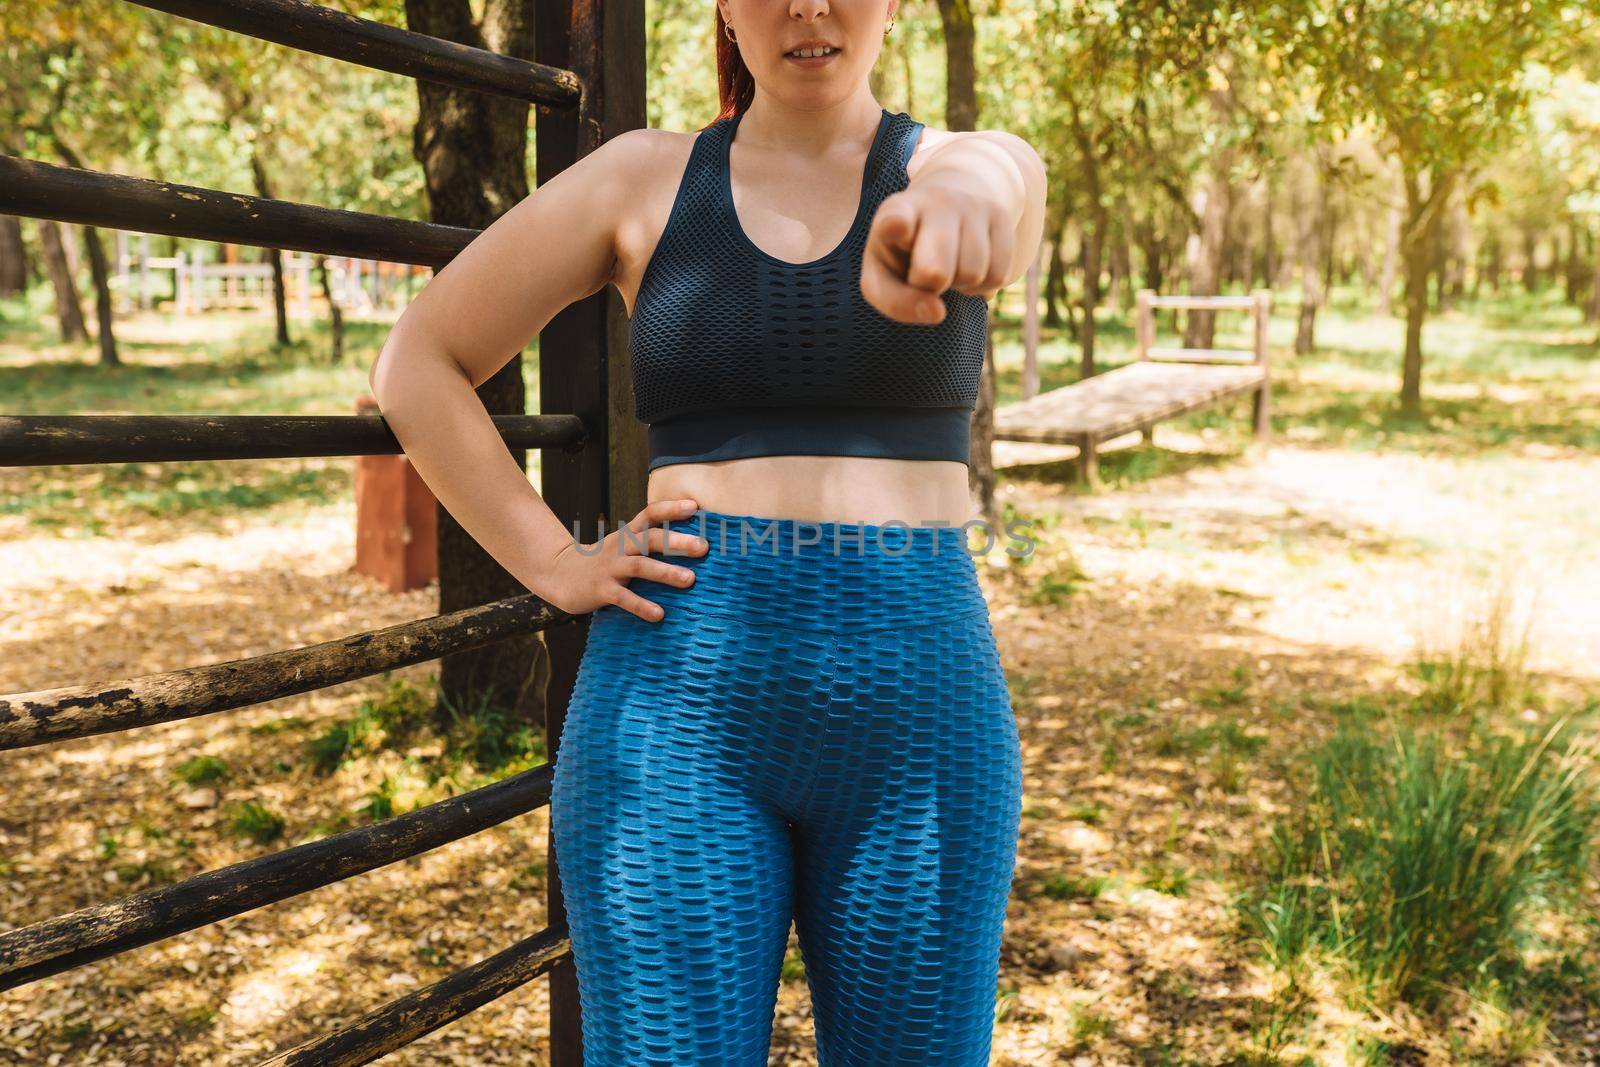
45, 440
42, 190
324, 31
93, 933
402, 1021
28, 719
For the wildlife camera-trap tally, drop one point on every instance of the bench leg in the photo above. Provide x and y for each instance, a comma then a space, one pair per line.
1262, 416
1089, 463
1148, 434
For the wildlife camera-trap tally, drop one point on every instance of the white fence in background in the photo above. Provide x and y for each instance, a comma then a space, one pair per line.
196, 283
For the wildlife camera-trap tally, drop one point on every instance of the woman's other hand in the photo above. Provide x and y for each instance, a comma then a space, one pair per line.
583, 578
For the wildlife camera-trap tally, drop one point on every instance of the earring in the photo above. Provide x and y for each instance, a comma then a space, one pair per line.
727, 31
889, 27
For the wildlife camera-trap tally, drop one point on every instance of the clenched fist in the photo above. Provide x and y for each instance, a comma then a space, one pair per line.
934, 235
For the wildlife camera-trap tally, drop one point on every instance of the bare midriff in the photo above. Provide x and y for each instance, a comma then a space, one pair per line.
850, 489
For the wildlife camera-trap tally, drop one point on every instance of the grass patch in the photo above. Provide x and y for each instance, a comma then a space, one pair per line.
1422, 867
254, 820
200, 770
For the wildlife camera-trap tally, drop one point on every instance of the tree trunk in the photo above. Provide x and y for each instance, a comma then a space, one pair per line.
1213, 204
1120, 264
961, 114
1150, 249
99, 271
335, 314
1055, 284
473, 150
100, 274
1391, 259
69, 314
1093, 236
1572, 268
1591, 309
1089, 261
1458, 251
1267, 261
911, 82
274, 256
13, 257
1311, 208
1417, 241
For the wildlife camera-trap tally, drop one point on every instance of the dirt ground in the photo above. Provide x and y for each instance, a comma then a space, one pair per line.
1257, 591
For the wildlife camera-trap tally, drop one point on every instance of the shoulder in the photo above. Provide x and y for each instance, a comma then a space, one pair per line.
638, 155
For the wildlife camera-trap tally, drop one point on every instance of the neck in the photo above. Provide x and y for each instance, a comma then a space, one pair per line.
810, 131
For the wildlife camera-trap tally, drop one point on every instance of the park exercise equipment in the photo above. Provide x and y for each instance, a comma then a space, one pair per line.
588, 85
1159, 384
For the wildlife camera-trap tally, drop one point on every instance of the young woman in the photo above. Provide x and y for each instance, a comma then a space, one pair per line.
802, 715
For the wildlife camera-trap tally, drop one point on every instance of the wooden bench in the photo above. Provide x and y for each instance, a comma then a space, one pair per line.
1162, 383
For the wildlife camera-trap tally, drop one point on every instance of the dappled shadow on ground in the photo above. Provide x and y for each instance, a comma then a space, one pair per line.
1171, 648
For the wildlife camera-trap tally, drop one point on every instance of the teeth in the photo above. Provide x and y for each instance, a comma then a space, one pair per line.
807, 53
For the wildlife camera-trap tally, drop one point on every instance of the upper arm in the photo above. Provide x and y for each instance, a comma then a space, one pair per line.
1030, 224
555, 247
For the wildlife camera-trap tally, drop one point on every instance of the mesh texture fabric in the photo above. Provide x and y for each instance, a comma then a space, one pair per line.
811, 735
719, 323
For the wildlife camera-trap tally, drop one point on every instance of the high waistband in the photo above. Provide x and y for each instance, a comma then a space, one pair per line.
813, 430
834, 576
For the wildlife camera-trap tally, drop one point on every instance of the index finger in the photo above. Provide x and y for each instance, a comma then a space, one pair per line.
887, 263
660, 511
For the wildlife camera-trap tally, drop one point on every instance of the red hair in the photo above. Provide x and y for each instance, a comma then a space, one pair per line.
735, 86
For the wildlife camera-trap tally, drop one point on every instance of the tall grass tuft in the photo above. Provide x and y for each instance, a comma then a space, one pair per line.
1421, 868
1482, 663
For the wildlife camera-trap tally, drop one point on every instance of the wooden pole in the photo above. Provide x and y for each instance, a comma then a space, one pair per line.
583, 369
1144, 322
1260, 408
1030, 330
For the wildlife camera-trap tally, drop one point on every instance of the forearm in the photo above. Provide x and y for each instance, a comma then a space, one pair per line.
430, 405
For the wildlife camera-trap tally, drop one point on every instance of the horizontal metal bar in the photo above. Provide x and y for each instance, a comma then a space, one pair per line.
49, 715
46, 440
324, 31
402, 1021
1204, 303
40, 190
67, 941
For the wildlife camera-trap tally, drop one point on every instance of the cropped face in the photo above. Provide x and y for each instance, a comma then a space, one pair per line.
809, 53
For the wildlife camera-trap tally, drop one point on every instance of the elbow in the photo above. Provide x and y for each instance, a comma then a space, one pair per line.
388, 370
410, 362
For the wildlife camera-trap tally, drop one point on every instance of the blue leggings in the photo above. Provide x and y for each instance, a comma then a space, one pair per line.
819, 729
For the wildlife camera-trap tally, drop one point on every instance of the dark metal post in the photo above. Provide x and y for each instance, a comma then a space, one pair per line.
583, 370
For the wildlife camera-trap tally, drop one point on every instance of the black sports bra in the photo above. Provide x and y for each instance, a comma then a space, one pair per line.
737, 353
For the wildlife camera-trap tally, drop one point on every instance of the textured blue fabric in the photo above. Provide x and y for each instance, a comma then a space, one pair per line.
810, 733
723, 333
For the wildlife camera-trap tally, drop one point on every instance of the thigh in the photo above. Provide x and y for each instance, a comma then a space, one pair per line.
907, 850
677, 881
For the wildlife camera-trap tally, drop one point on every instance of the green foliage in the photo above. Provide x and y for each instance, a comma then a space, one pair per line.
389, 721
1423, 866
201, 769
252, 819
